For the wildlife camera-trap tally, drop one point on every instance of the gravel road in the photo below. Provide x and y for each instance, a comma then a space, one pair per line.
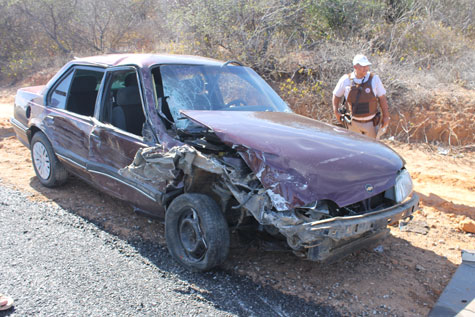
54, 262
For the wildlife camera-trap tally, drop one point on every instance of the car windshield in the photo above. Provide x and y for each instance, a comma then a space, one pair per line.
227, 88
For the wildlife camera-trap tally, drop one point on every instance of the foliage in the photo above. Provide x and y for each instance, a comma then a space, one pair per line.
310, 42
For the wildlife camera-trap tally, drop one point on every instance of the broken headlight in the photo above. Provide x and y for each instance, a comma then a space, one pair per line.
403, 187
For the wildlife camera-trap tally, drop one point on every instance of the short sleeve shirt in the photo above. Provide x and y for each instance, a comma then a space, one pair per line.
344, 85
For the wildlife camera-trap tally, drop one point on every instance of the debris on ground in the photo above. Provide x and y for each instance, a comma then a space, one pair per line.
467, 225
379, 249
420, 268
419, 227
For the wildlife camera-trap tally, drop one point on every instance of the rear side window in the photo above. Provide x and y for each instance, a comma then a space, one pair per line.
59, 95
77, 92
83, 91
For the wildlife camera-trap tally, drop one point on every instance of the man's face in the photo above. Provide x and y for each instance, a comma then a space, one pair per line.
360, 71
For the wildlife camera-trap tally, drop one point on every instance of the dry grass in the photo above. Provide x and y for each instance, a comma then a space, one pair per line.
419, 48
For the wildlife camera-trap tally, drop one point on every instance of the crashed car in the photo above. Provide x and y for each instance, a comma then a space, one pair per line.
211, 148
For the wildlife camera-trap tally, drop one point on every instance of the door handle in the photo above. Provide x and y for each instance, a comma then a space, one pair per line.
50, 119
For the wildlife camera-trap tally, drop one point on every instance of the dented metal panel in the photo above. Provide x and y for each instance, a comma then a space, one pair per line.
166, 169
288, 172
169, 169
300, 160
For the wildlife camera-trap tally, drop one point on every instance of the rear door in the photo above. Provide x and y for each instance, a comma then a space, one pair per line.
69, 119
117, 136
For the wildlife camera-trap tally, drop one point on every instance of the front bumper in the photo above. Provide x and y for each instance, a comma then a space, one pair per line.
330, 238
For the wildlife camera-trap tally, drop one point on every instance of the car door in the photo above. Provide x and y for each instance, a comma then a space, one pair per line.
117, 136
69, 117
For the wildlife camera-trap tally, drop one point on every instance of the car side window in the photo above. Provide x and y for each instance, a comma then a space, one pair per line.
59, 95
122, 106
83, 91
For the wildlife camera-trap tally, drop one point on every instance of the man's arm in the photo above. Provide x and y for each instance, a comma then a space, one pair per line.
383, 102
336, 104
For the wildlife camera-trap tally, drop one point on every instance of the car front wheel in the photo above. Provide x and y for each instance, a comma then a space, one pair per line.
197, 232
48, 169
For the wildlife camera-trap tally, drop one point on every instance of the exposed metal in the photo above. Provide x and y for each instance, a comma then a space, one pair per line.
320, 238
326, 190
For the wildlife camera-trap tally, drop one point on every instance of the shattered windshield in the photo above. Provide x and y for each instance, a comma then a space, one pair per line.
228, 88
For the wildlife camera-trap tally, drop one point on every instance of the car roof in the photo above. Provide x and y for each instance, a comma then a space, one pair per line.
145, 60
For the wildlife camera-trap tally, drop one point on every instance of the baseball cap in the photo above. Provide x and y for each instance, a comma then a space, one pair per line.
361, 59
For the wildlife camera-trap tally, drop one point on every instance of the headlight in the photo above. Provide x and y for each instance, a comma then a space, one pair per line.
403, 187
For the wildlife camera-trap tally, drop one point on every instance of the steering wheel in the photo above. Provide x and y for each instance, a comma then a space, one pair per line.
236, 102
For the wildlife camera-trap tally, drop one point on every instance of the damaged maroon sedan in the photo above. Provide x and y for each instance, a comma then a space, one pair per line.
211, 147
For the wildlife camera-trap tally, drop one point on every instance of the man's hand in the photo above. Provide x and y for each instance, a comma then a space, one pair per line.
385, 122
338, 117
336, 103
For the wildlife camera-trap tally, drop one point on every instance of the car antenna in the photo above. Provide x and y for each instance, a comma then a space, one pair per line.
232, 62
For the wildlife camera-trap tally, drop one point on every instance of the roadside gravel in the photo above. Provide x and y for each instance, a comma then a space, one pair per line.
54, 262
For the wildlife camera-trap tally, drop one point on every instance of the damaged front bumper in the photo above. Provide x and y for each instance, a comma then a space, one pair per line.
328, 239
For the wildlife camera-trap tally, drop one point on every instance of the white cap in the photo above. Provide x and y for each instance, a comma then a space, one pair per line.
361, 59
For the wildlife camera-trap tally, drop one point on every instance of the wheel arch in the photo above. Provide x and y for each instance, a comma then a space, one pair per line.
209, 184
32, 131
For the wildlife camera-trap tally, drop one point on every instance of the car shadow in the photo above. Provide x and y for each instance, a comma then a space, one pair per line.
8, 312
274, 282
433, 200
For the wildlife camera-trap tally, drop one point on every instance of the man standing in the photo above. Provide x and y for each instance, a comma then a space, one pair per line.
364, 94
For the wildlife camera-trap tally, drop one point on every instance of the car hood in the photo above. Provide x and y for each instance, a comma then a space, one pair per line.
300, 160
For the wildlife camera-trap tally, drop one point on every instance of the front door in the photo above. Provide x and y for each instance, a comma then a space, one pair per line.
117, 136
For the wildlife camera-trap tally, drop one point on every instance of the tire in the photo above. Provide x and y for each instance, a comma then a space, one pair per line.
48, 169
196, 231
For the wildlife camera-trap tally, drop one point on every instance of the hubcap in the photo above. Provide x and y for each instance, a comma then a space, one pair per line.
41, 160
191, 236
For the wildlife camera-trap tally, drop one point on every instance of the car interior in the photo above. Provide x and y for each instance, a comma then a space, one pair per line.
83, 86
82, 95
83, 91
122, 103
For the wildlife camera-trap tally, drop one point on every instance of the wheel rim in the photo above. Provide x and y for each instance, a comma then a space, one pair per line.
191, 235
41, 160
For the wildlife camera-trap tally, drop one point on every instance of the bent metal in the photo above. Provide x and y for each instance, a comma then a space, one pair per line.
210, 147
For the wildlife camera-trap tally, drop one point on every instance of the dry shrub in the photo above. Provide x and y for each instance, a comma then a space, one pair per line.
305, 79
301, 47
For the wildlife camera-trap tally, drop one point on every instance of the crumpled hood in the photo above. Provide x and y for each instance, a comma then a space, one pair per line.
300, 160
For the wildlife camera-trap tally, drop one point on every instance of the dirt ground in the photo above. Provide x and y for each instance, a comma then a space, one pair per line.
403, 276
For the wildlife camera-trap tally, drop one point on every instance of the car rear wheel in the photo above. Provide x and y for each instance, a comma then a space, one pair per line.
197, 232
48, 169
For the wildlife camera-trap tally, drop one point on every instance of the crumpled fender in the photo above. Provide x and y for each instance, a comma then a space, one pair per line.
300, 160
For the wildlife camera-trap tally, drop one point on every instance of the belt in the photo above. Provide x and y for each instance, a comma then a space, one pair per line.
362, 121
